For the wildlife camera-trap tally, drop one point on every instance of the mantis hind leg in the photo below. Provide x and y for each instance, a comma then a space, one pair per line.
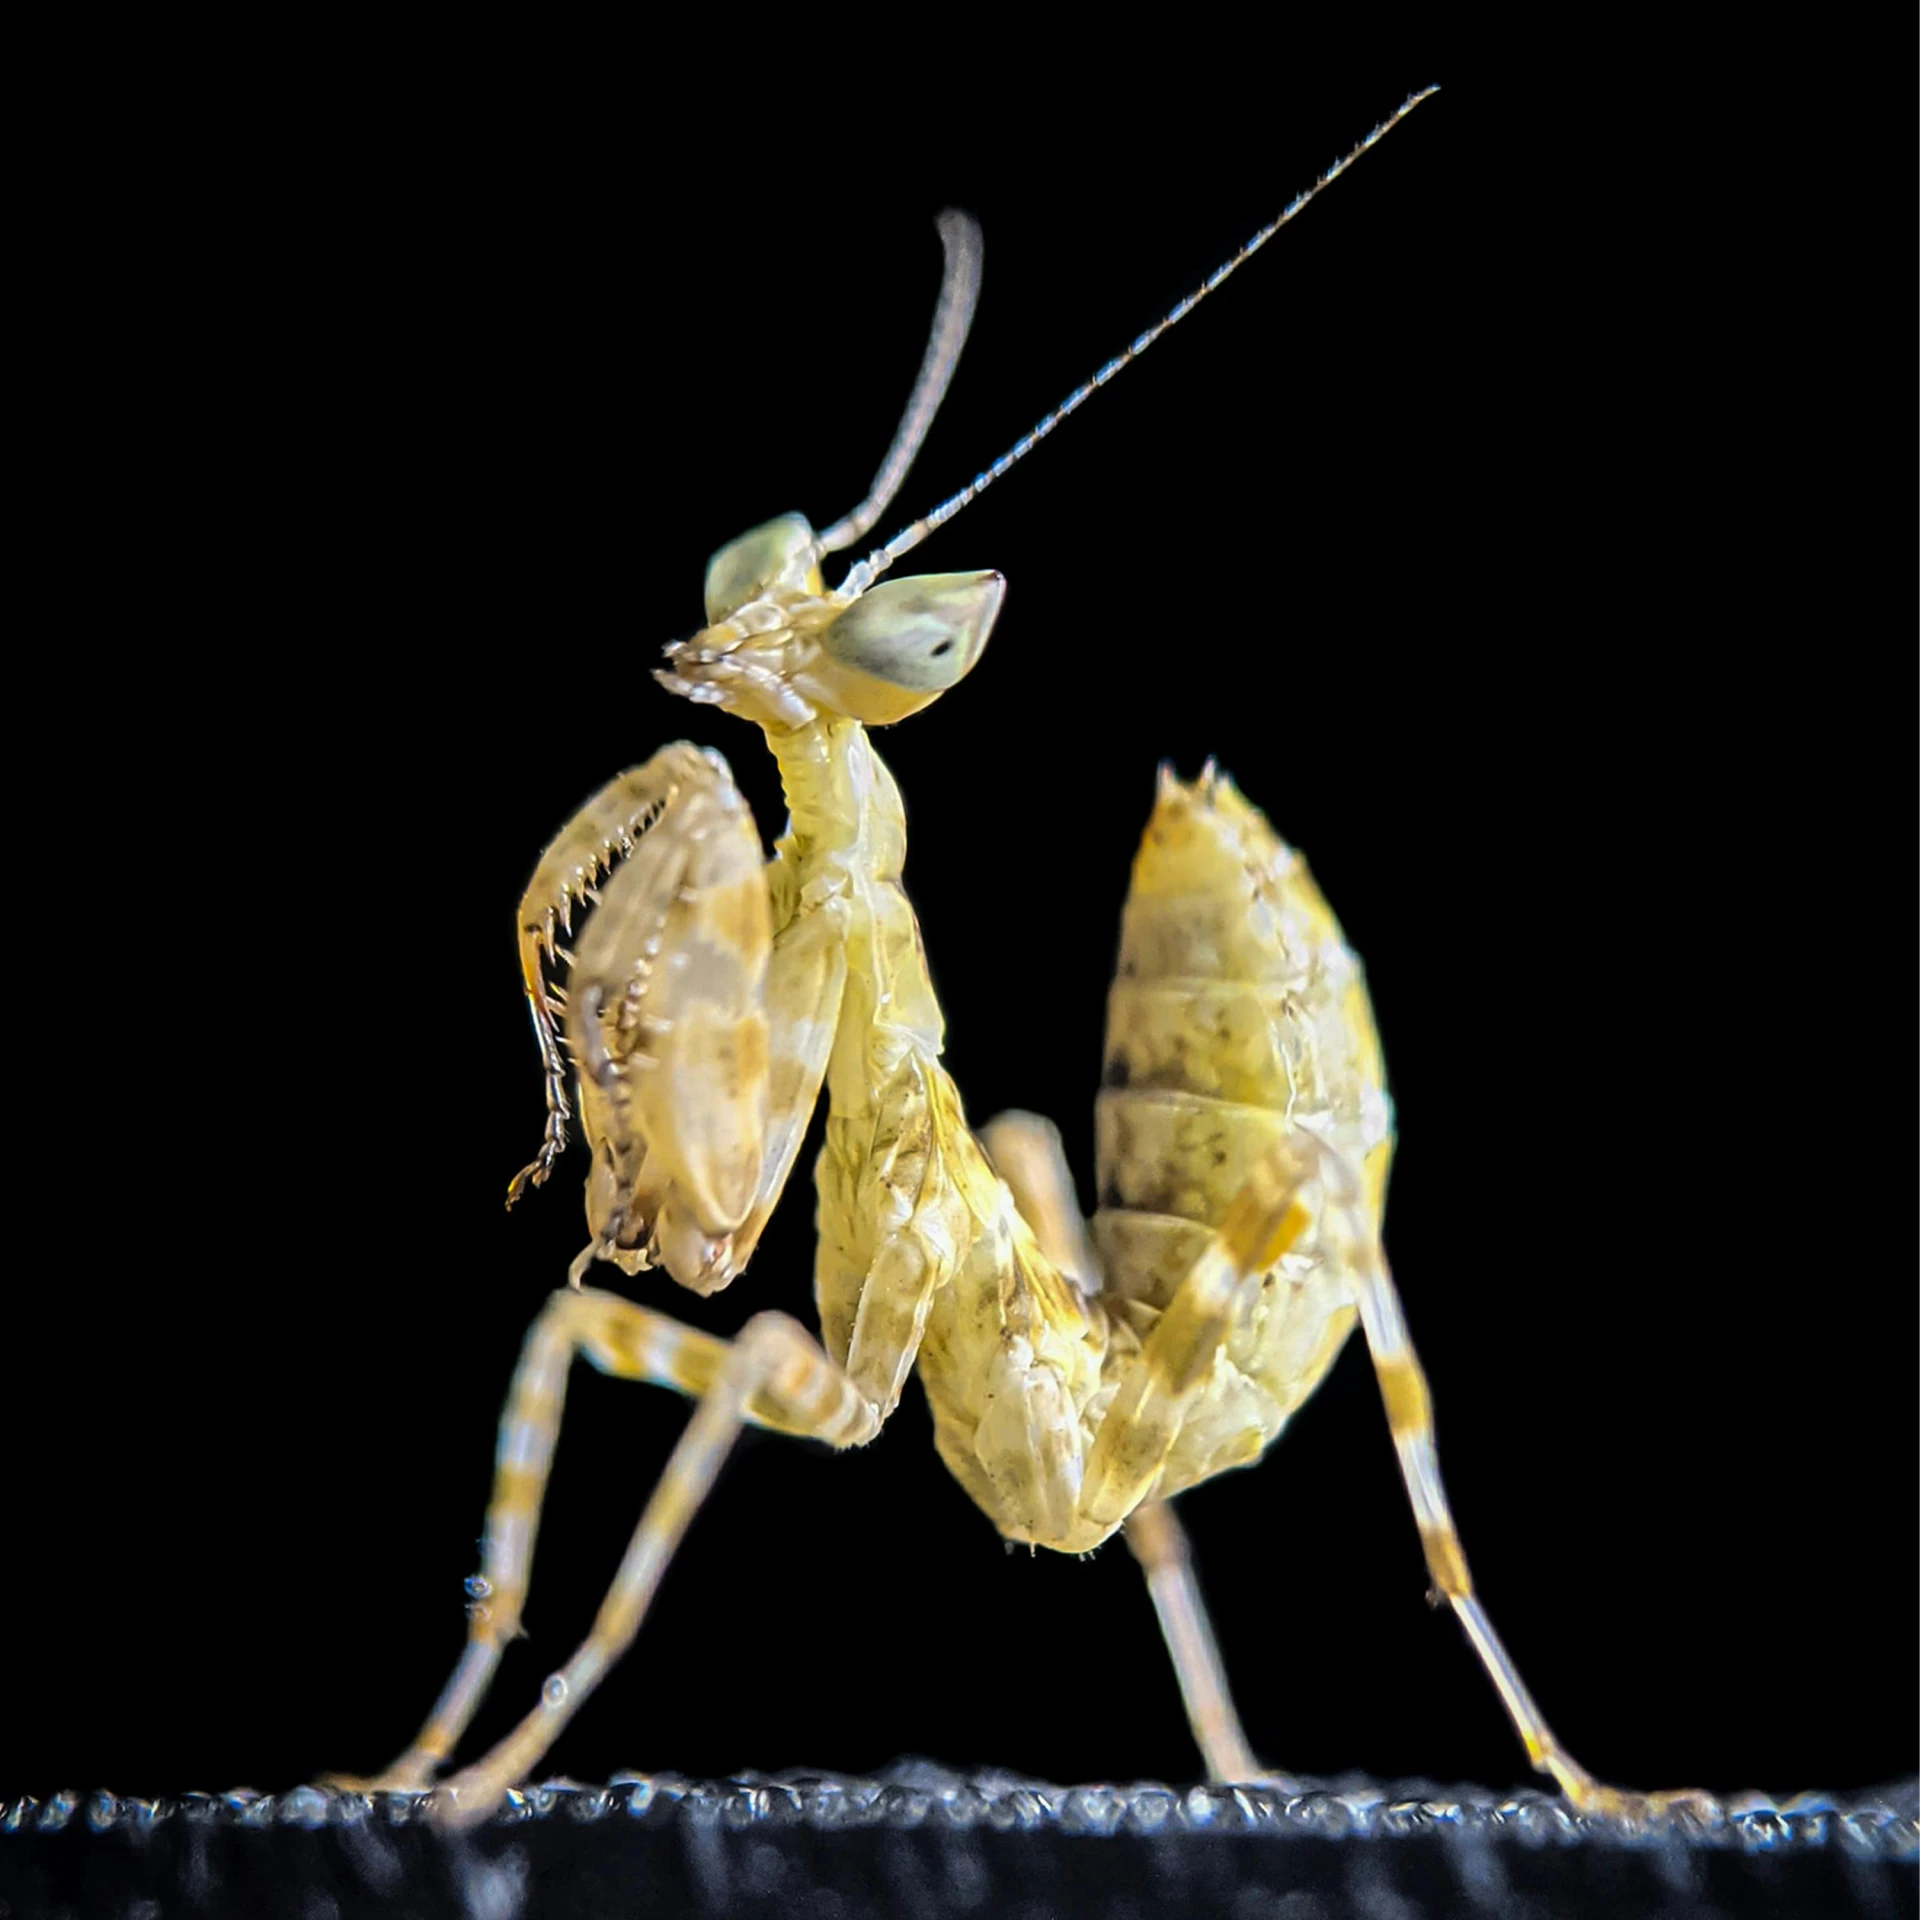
1302, 1187
1409, 1409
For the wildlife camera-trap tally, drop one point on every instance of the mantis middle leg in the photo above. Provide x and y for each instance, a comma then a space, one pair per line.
773, 1376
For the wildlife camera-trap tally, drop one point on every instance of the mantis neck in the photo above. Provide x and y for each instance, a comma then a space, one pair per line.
845, 822
847, 839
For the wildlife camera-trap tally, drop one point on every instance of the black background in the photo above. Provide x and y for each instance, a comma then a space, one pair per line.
1504, 530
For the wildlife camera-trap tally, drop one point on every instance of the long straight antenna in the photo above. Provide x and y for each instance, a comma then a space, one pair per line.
863, 574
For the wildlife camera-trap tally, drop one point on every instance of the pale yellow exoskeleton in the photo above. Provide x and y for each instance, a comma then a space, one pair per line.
1077, 1381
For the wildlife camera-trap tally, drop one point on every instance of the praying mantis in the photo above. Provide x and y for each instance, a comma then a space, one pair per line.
1078, 1381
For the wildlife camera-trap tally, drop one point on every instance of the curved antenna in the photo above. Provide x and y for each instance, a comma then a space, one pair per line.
863, 574
952, 316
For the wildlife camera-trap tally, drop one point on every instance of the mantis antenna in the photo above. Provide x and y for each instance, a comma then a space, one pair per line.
959, 291
938, 369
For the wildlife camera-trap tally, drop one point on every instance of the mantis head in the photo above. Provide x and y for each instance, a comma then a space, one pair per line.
780, 647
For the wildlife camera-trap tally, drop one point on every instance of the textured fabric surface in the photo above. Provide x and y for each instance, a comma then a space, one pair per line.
920, 1840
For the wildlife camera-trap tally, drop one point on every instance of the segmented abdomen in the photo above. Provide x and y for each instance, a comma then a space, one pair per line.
1238, 1013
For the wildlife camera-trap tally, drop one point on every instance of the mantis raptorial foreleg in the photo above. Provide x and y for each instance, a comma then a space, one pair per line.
701, 1038
575, 860
779, 1380
805, 980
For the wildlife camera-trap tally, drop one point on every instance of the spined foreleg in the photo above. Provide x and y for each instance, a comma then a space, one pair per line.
687, 1175
700, 1037
805, 980
609, 828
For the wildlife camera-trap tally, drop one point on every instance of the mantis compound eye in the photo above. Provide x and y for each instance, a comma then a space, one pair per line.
782, 554
905, 642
